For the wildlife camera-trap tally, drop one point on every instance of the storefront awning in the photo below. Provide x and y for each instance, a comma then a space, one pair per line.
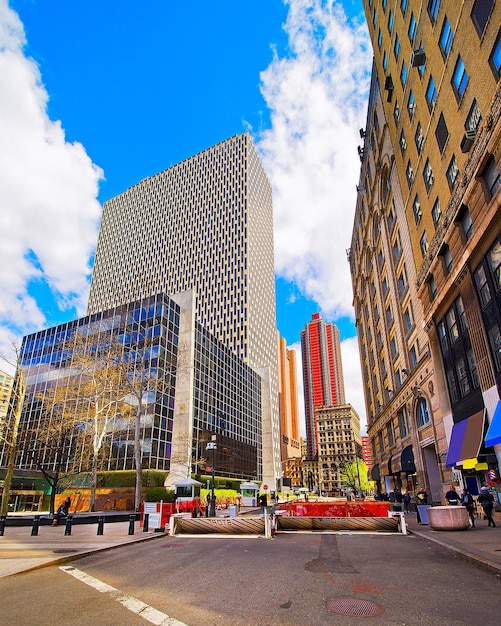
466, 439
403, 461
493, 436
375, 473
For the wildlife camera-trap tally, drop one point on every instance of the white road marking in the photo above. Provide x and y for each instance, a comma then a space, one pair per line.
145, 611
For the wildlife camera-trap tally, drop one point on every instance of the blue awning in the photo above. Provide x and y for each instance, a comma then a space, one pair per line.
466, 439
493, 436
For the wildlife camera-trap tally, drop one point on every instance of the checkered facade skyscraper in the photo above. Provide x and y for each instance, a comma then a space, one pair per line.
204, 224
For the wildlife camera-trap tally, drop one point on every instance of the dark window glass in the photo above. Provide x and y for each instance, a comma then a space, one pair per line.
460, 78
403, 6
412, 28
480, 14
416, 207
474, 118
452, 172
419, 138
495, 341
423, 413
396, 47
403, 74
428, 175
441, 133
483, 290
494, 259
436, 212
492, 177
411, 105
431, 93
446, 37
423, 244
433, 7
496, 57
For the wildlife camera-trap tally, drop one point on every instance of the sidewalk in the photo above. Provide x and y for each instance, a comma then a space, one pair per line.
19, 551
480, 545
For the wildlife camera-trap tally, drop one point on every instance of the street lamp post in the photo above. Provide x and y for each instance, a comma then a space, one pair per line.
211, 445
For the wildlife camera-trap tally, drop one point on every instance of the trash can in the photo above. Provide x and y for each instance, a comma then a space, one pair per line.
233, 510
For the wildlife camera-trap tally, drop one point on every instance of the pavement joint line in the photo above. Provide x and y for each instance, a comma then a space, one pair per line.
147, 612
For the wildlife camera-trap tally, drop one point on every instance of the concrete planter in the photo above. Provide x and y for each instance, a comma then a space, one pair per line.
448, 518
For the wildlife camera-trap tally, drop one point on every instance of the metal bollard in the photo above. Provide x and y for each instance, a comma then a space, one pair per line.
69, 522
3, 519
146, 520
132, 519
36, 524
100, 525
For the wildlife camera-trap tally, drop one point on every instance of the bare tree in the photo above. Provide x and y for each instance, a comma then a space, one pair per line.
10, 429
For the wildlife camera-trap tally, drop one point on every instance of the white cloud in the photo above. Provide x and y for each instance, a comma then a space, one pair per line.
318, 103
48, 195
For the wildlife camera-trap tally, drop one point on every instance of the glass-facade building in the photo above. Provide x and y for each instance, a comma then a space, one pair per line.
224, 392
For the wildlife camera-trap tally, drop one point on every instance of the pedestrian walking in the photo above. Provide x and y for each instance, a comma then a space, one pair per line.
407, 501
452, 497
486, 499
469, 504
422, 496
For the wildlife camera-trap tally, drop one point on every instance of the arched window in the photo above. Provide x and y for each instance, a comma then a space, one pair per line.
423, 414
385, 186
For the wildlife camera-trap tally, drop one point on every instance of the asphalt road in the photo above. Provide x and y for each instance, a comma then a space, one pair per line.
294, 579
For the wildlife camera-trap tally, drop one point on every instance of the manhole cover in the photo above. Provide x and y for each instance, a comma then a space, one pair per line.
354, 608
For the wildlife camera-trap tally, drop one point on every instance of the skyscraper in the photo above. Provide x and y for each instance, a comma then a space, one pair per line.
204, 224
322, 373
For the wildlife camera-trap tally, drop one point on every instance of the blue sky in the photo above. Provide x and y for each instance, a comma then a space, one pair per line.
95, 96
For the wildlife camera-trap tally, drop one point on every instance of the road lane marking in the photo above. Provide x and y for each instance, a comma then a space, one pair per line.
134, 605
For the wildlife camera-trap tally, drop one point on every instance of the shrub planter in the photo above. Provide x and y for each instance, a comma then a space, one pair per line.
448, 518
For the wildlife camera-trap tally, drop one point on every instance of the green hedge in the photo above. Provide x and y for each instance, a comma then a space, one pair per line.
155, 494
127, 478
220, 483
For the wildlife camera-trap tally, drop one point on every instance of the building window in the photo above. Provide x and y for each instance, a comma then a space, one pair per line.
422, 412
436, 212
433, 287
446, 37
423, 244
380, 39
403, 74
428, 175
384, 3
411, 106
491, 177
396, 47
408, 321
472, 364
464, 218
409, 172
474, 118
459, 78
393, 347
447, 258
412, 28
413, 357
433, 6
462, 372
396, 112
451, 382
419, 138
452, 326
403, 142
494, 259
374, 18
484, 293
495, 58
480, 14
442, 335
389, 315
391, 20
441, 133
431, 93
416, 208
385, 61
403, 6
495, 341
452, 172
391, 434
381, 442
403, 419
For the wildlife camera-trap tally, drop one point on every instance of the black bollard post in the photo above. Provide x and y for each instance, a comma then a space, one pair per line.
69, 522
132, 519
100, 525
36, 524
146, 520
3, 519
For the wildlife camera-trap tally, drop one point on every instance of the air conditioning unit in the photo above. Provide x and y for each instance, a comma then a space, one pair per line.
418, 58
388, 83
467, 140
